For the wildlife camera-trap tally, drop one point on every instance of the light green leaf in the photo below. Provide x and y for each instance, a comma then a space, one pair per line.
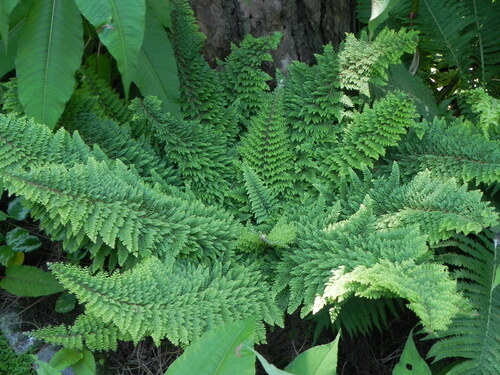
122, 33
217, 352
85, 366
16, 210
270, 369
45, 369
380, 12
28, 281
6, 7
65, 303
19, 239
162, 10
411, 362
65, 358
50, 49
158, 73
319, 360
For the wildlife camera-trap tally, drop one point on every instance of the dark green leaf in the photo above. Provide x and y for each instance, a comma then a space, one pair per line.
158, 73
7, 57
28, 281
65, 303
16, 210
6, 7
3, 216
161, 9
19, 239
49, 53
6, 254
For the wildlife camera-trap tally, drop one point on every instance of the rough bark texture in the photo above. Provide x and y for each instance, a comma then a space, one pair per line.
306, 25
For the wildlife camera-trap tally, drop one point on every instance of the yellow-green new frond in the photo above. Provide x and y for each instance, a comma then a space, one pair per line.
362, 62
179, 303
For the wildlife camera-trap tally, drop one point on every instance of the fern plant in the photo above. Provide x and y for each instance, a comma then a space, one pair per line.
251, 202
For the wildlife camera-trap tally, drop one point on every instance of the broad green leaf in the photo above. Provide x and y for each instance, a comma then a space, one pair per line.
16, 260
161, 9
380, 12
101, 66
28, 281
8, 56
270, 369
19, 239
411, 362
98, 12
121, 33
65, 303
6, 7
85, 366
216, 352
158, 73
45, 369
3, 216
319, 360
50, 49
16, 210
65, 358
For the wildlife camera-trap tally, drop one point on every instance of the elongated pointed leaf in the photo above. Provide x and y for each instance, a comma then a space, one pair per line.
49, 52
217, 352
120, 26
161, 9
411, 362
270, 369
319, 360
65, 358
28, 281
6, 7
85, 366
158, 69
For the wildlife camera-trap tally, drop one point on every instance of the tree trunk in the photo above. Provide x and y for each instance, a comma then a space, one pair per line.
306, 25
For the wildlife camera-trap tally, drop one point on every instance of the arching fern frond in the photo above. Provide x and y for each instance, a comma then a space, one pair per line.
473, 335
179, 303
260, 197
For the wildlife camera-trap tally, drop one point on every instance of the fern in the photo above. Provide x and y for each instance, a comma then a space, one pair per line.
10, 99
267, 148
450, 151
261, 199
474, 334
179, 302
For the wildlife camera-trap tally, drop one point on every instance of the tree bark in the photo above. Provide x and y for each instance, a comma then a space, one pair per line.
306, 25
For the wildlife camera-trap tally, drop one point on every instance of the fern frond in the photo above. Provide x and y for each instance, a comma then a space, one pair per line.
371, 132
10, 99
267, 149
202, 96
201, 156
241, 75
473, 335
179, 303
260, 197
484, 111
450, 151
362, 61
88, 331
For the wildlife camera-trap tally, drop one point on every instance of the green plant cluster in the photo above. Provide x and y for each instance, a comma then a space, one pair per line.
12, 363
253, 202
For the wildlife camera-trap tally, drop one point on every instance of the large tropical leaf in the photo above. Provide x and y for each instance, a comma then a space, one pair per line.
158, 69
49, 52
8, 55
6, 7
120, 26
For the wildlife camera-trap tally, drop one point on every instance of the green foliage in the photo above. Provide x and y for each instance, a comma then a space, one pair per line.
12, 363
474, 334
411, 362
178, 302
318, 360
28, 281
